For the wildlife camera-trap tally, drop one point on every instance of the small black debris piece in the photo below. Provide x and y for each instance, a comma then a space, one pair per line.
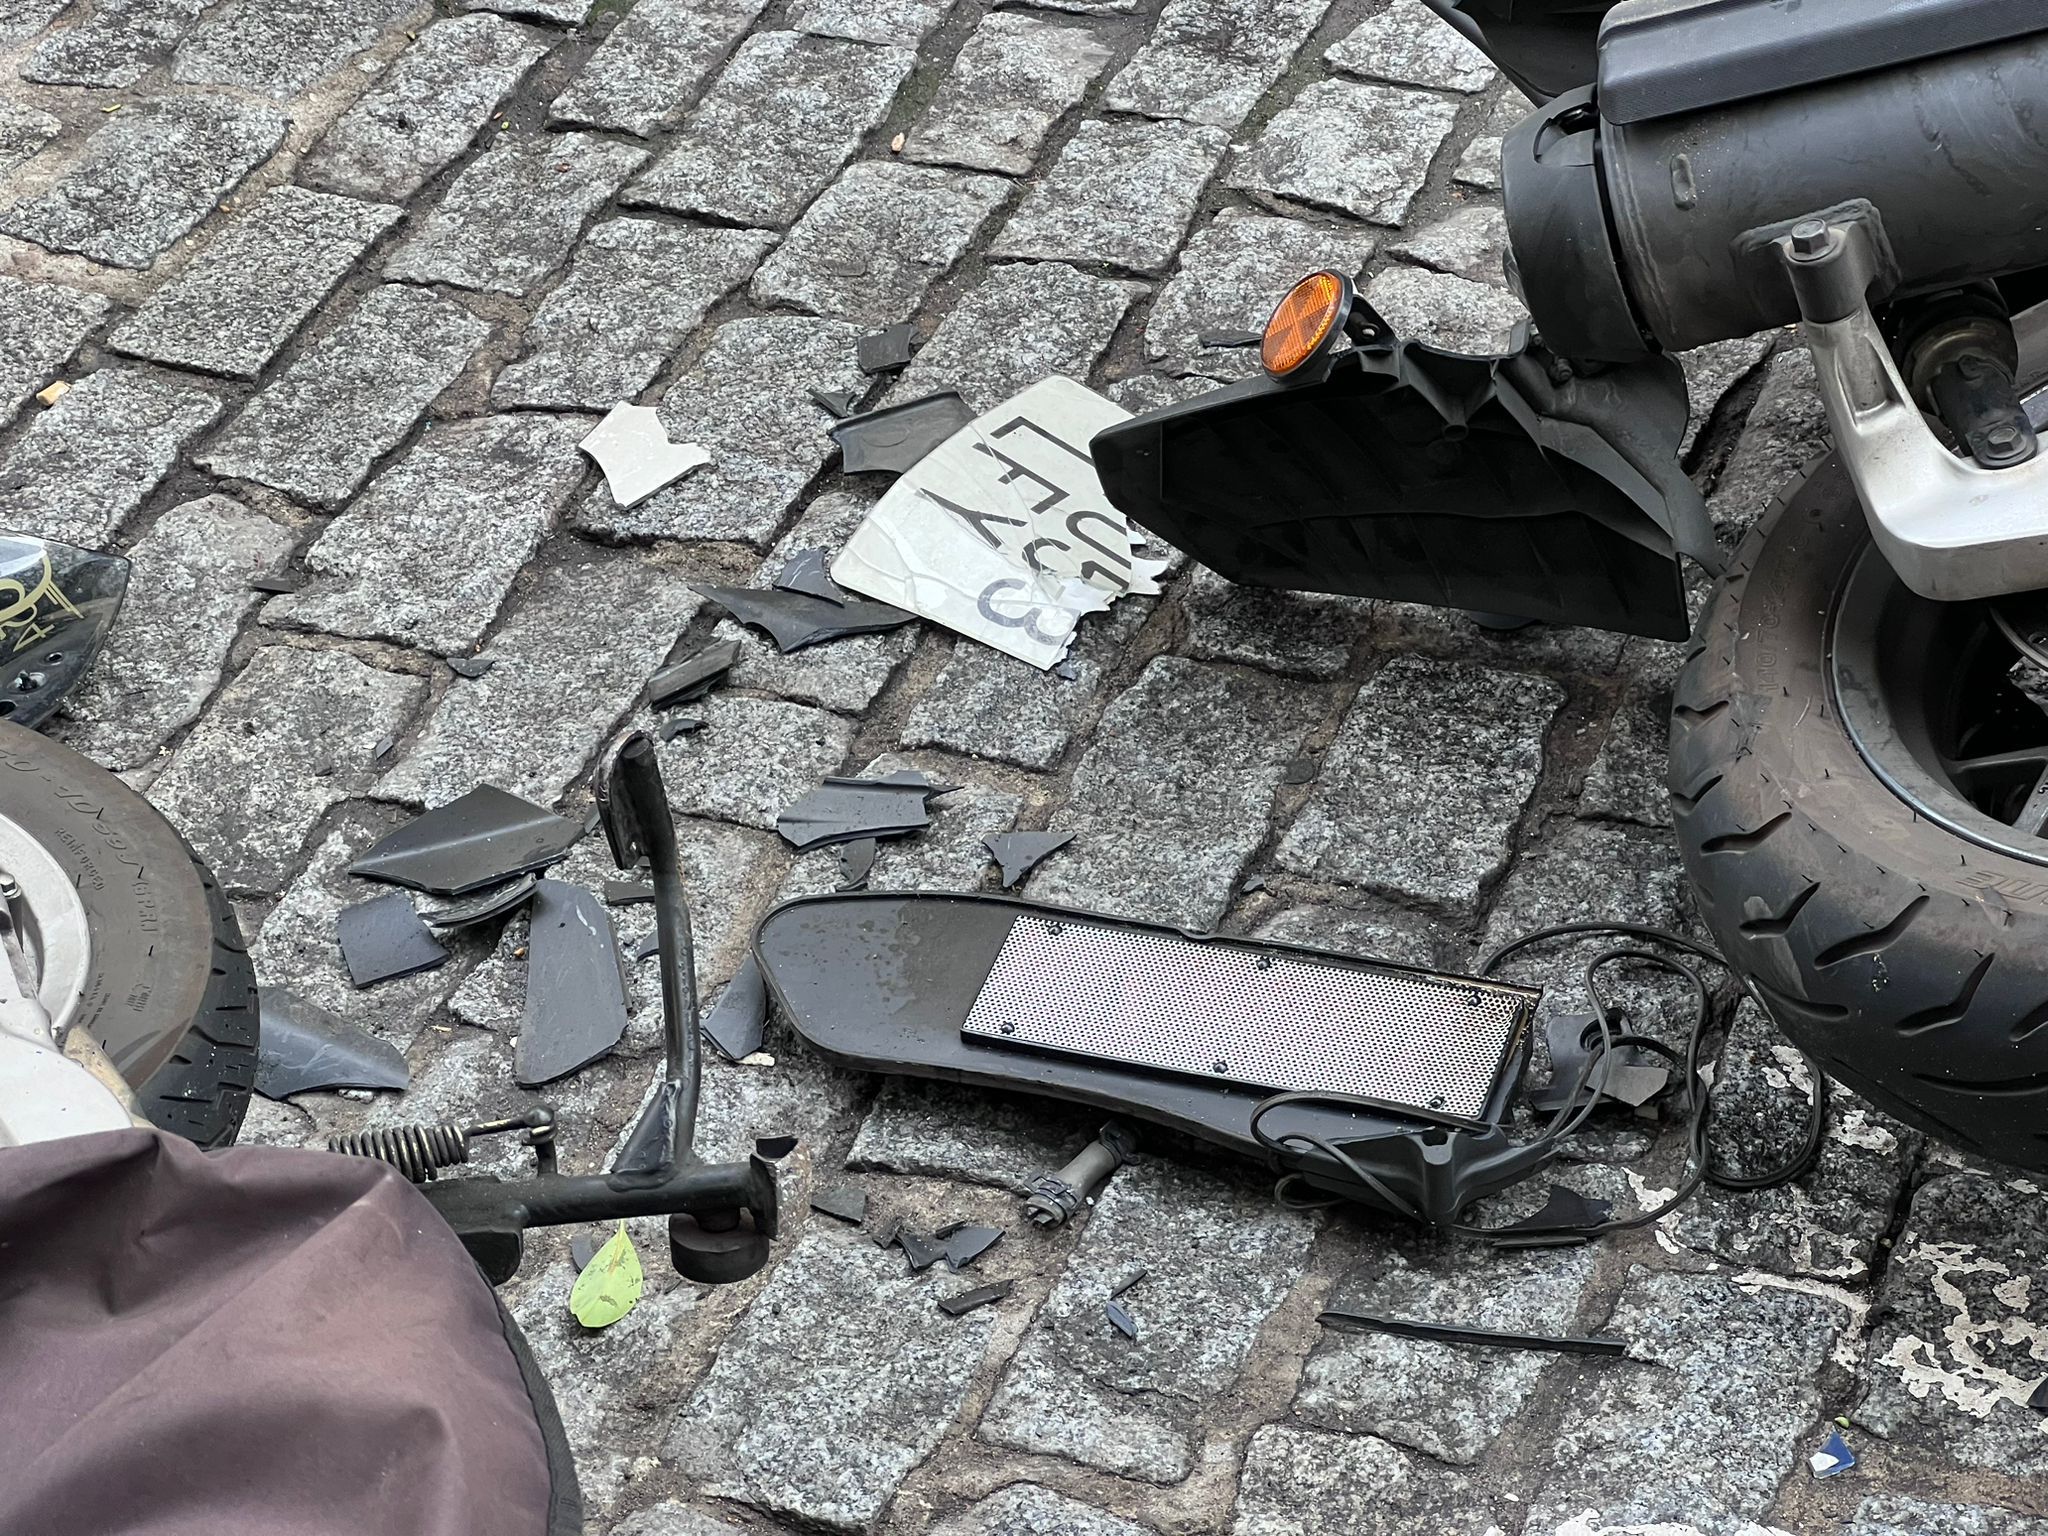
894, 438
804, 572
647, 1147
887, 349
575, 986
774, 1148
1302, 770
1224, 339
1565, 1211
1128, 1284
922, 1252
842, 1200
471, 667
678, 725
980, 1296
1121, 1320
888, 1233
280, 581
693, 676
1256, 883
582, 1249
856, 862
796, 619
383, 937
737, 1020
302, 1047
846, 810
1019, 852
475, 840
836, 403
2038, 1400
485, 905
966, 1244
648, 947
1067, 669
386, 745
627, 893
1459, 1333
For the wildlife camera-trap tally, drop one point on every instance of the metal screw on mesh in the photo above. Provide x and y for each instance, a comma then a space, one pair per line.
1051, 1199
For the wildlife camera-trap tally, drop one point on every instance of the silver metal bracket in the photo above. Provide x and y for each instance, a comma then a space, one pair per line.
1952, 529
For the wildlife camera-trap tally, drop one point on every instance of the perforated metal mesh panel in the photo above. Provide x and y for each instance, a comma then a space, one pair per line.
1216, 1010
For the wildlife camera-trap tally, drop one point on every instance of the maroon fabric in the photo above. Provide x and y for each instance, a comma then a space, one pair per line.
256, 1342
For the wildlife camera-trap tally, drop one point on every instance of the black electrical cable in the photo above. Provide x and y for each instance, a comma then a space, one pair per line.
1572, 1114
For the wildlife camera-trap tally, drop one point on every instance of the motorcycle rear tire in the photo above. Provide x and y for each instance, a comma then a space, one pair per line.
1911, 961
168, 962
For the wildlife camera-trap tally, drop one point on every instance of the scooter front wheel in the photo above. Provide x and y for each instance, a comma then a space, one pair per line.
1859, 779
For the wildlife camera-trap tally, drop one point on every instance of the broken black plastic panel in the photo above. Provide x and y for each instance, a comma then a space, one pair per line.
844, 810
888, 349
1018, 853
383, 938
693, 676
485, 906
302, 1048
475, 840
57, 606
796, 619
804, 572
1460, 1333
1506, 483
893, 439
739, 1018
575, 989
980, 1296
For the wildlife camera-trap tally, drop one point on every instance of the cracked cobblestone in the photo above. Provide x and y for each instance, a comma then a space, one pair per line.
653, 62
1360, 149
1015, 78
1121, 193
1209, 61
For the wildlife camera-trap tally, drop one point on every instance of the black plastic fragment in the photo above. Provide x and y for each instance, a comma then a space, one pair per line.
1255, 884
678, 725
647, 948
473, 841
856, 862
693, 676
837, 403
57, 604
1301, 770
302, 1047
1574, 1041
922, 1252
1565, 1211
2039, 1398
471, 667
842, 1200
980, 1296
1067, 669
383, 938
575, 986
846, 810
282, 581
1120, 1320
894, 438
1458, 1333
886, 1235
484, 906
1019, 852
887, 349
736, 1022
627, 893
1223, 339
965, 1244
582, 1249
647, 1147
774, 1148
796, 619
1128, 1284
804, 572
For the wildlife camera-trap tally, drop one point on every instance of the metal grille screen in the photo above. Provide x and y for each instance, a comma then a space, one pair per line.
1219, 1011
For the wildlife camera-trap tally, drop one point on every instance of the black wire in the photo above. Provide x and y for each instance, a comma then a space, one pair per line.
1572, 1114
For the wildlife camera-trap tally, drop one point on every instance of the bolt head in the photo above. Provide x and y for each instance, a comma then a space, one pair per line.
1811, 237
2003, 436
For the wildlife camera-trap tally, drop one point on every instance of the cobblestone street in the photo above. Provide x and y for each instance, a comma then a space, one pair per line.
338, 285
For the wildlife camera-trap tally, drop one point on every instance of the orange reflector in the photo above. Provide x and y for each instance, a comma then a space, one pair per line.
1312, 310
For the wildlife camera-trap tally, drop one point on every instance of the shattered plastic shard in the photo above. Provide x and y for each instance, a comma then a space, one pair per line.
632, 448
1833, 1457
886, 349
842, 1201
836, 403
795, 619
301, 1048
966, 1244
475, 840
845, 810
693, 676
384, 937
980, 1296
481, 909
735, 1025
893, 439
1018, 853
922, 1252
1121, 1320
804, 572
575, 988
856, 863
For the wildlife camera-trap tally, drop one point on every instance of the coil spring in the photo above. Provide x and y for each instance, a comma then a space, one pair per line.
414, 1150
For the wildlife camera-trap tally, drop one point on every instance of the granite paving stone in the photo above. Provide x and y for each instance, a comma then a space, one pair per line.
188, 592
25, 18
1172, 797
1410, 44
671, 1517
1419, 794
904, 226
1121, 193
565, 13
1786, 428
279, 47
236, 305
1026, 1509
1360, 149
652, 64
1478, 166
755, 1430
905, 23
1901, 1515
1209, 61
993, 705
295, 732
1013, 80
1300, 1480
1149, 391
747, 403
91, 459
1712, 371
350, 397
781, 119
532, 721
1626, 780
1404, 938
23, 132
635, 291
1448, 1401
980, 1136
1074, 7
41, 325
1469, 242
1231, 275
425, 109
115, 46
514, 212
845, 675
1306, 633
1957, 1345
1022, 323
752, 758
1221, 1257
1448, 312
1706, 1416
147, 176
470, 503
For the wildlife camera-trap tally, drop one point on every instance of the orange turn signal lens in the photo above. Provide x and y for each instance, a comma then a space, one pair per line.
1304, 322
